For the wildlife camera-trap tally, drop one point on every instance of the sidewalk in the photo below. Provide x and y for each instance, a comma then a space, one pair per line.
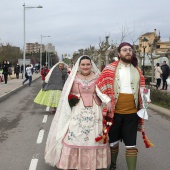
165, 112
13, 85
159, 109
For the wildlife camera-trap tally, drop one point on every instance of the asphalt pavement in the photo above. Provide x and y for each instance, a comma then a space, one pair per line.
14, 85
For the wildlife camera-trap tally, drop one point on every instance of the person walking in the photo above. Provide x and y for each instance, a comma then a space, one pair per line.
52, 87
9, 69
28, 74
22, 70
1, 73
158, 73
78, 121
165, 74
123, 81
44, 72
5, 67
17, 70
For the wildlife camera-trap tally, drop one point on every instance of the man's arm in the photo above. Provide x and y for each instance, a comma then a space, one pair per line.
105, 99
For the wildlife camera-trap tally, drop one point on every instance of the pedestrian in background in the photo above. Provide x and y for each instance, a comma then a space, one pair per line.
28, 74
9, 69
158, 73
5, 67
1, 74
165, 74
50, 93
44, 72
22, 72
17, 70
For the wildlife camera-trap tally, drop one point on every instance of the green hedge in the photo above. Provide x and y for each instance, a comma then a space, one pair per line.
160, 98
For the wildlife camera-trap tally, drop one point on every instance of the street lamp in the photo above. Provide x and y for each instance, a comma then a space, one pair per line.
26, 7
144, 45
41, 51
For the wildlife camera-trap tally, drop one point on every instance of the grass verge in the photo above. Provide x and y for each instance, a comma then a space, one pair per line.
160, 98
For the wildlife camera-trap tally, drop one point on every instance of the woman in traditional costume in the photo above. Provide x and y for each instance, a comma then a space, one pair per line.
52, 87
72, 140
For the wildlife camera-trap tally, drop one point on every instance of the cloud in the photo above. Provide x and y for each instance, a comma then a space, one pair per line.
74, 24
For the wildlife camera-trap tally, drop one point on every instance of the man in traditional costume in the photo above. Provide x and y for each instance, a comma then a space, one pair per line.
122, 81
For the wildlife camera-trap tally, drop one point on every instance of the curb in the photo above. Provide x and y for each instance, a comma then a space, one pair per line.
5, 96
159, 109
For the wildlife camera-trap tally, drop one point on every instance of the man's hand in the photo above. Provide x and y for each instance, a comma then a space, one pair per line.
109, 107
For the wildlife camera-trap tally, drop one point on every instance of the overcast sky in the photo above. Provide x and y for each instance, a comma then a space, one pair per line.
75, 24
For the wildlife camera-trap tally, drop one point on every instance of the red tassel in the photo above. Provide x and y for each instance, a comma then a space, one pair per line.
147, 145
104, 111
108, 129
105, 140
147, 142
98, 138
144, 137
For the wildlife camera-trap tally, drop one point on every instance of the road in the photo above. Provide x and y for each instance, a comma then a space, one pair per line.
24, 127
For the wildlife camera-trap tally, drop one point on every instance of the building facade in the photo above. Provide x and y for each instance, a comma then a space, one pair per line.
34, 47
153, 39
50, 48
163, 47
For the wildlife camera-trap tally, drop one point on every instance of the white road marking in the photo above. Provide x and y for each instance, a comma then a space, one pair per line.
40, 136
45, 119
33, 164
47, 108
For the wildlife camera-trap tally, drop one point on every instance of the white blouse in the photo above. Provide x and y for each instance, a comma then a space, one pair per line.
124, 74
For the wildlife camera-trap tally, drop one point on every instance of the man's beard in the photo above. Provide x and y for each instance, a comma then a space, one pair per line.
126, 60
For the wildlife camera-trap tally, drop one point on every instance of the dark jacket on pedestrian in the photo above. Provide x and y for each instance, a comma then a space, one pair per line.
17, 69
5, 68
22, 67
165, 70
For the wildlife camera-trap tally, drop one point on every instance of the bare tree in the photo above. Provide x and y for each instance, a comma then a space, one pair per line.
10, 53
